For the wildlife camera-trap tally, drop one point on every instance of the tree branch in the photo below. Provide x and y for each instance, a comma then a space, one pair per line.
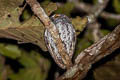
110, 15
87, 8
94, 28
96, 10
87, 57
49, 25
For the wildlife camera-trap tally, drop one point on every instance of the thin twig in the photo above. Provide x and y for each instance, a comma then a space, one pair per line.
87, 57
96, 10
87, 8
110, 16
95, 30
49, 25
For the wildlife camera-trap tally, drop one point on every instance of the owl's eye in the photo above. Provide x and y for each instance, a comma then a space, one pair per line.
67, 35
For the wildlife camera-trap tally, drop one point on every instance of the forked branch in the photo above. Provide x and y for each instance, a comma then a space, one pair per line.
92, 54
87, 57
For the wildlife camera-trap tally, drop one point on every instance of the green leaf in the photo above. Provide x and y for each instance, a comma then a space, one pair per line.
65, 9
116, 5
10, 50
27, 61
8, 6
36, 67
79, 24
29, 31
29, 74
